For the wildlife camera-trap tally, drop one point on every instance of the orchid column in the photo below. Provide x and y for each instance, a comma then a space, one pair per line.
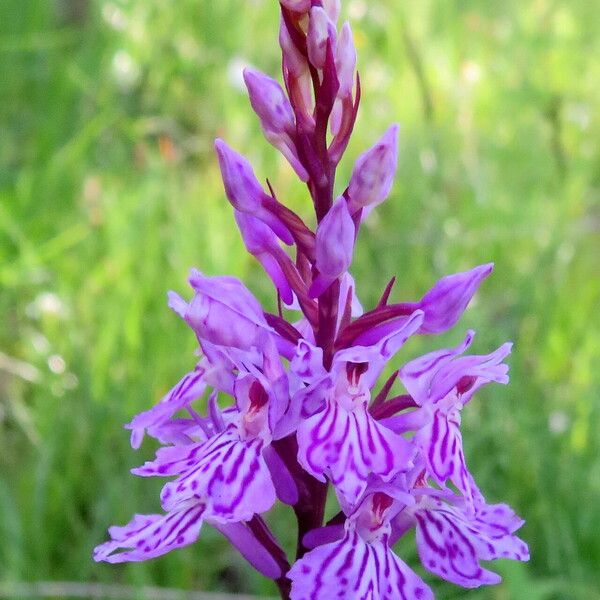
281, 407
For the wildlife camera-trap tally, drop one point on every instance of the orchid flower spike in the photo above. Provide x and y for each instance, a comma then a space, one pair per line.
285, 400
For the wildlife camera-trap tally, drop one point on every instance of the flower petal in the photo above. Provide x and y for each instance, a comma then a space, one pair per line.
228, 471
451, 543
148, 536
441, 445
352, 568
348, 447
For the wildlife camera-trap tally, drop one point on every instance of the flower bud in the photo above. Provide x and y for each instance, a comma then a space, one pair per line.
241, 186
269, 102
276, 116
243, 189
374, 172
320, 31
334, 246
332, 8
345, 61
445, 302
293, 59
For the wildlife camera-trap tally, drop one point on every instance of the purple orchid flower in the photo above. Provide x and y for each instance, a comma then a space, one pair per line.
282, 405
441, 383
361, 564
451, 541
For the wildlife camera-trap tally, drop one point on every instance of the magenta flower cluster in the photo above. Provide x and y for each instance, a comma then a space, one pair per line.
291, 410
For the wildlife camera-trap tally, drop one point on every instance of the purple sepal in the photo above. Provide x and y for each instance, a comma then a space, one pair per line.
377, 355
446, 301
285, 486
451, 542
374, 172
430, 378
334, 246
224, 312
250, 548
244, 191
149, 536
323, 535
189, 388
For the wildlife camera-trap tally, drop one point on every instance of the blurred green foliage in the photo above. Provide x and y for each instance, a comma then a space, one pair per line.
109, 192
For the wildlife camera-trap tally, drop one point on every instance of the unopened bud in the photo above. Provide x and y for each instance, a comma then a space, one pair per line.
334, 246
241, 186
446, 301
276, 115
332, 8
374, 172
243, 189
321, 31
294, 60
269, 101
345, 61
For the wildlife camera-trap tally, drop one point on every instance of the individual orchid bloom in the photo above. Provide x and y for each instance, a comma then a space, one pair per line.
276, 116
361, 564
451, 540
243, 190
228, 472
341, 441
321, 33
334, 246
441, 383
374, 172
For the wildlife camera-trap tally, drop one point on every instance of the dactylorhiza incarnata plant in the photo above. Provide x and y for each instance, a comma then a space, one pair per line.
301, 413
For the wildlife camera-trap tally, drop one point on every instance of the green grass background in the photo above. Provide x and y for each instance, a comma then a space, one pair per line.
109, 192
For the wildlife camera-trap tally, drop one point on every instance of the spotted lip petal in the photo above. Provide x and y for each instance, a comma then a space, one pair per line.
451, 542
228, 471
352, 568
348, 446
149, 536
